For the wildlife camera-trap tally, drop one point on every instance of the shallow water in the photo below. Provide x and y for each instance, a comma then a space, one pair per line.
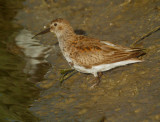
128, 93
18, 71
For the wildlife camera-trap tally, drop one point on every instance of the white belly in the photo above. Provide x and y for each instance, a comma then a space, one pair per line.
104, 67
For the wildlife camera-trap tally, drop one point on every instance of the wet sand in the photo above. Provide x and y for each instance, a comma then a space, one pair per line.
130, 93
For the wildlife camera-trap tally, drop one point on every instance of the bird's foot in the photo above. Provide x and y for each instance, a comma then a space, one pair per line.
66, 71
65, 74
97, 79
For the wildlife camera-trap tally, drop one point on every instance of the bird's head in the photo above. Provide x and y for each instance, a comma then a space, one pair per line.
60, 27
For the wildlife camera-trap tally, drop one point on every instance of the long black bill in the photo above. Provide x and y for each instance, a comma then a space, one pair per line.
42, 32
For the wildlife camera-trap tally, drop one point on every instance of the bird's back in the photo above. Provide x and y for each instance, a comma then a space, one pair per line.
88, 52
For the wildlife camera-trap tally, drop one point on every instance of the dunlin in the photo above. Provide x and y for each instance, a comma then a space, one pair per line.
90, 55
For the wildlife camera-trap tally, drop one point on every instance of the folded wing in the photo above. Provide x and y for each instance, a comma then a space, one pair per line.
90, 52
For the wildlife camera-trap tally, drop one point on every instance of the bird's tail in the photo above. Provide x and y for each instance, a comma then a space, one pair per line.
137, 52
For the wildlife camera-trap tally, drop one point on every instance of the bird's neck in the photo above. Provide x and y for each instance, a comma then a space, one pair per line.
66, 36
65, 40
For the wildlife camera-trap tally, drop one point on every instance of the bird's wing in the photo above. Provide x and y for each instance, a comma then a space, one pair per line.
90, 52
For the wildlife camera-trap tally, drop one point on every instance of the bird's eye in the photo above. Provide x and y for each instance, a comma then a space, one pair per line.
55, 24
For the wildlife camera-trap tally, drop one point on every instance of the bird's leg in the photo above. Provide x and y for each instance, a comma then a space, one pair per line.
65, 74
98, 79
65, 71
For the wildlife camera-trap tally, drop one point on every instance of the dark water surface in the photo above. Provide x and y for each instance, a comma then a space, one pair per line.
126, 94
17, 92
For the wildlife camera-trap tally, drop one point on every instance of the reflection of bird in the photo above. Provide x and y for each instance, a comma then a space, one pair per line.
90, 55
34, 53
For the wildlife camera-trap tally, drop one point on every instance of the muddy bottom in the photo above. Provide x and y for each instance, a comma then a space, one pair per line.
130, 93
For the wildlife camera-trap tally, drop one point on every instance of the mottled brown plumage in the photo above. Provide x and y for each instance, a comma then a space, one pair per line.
90, 52
90, 55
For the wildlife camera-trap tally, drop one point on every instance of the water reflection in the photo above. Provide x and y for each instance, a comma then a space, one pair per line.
35, 54
17, 93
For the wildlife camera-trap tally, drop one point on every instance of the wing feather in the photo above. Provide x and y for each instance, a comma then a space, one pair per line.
90, 52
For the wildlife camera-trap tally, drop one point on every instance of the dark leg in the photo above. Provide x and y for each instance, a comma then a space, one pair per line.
65, 74
98, 79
